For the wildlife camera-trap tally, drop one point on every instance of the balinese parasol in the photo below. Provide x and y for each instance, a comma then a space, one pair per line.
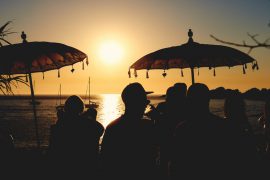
30, 57
193, 55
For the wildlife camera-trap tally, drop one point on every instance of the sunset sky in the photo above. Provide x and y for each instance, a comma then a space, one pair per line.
115, 33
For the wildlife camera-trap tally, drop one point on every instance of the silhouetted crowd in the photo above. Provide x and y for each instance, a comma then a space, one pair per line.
178, 139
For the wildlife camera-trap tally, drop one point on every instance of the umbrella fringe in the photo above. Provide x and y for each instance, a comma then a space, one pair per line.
129, 73
58, 73
87, 62
198, 71
72, 69
43, 75
164, 74
244, 71
147, 75
135, 73
214, 71
82, 65
182, 74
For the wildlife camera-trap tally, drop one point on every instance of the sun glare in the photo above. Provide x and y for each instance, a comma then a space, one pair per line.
110, 52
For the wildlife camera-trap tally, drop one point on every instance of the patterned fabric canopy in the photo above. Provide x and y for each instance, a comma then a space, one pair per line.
193, 55
24, 58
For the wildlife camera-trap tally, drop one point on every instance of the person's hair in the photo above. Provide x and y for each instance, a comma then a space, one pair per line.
181, 88
134, 94
74, 105
234, 106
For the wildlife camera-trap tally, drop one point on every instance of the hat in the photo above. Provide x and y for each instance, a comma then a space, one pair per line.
134, 91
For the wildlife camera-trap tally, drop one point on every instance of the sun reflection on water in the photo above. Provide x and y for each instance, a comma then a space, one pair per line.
110, 108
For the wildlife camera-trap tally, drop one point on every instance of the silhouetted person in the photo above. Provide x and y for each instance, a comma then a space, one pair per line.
200, 143
172, 112
264, 121
242, 137
74, 143
128, 149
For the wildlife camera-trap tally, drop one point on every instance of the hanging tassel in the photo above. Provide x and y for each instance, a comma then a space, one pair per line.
26, 78
87, 61
257, 66
245, 66
164, 74
253, 66
72, 69
58, 73
43, 75
135, 73
214, 72
129, 74
198, 71
244, 71
82, 65
182, 74
147, 75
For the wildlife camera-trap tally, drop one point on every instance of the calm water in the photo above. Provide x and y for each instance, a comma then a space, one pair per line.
18, 115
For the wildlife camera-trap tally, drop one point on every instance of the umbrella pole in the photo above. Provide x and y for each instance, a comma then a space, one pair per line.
34, 109
192, 75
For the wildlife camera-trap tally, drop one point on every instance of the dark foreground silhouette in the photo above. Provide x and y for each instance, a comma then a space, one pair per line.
181, 140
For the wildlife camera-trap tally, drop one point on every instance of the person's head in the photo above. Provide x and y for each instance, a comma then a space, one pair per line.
234, 106
170, 94
91, 112
134, 98
181, 88
198, 97
74, 105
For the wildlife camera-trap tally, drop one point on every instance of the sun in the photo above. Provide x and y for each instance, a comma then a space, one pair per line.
110, 52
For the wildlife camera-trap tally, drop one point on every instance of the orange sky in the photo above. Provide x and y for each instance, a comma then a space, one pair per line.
137, 28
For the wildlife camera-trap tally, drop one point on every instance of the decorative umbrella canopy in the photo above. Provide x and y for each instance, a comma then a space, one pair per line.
193, 55
24, 58
29, 57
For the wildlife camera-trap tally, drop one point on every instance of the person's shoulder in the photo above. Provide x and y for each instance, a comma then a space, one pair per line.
114, 123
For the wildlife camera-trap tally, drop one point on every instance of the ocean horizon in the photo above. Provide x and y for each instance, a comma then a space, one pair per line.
17, 115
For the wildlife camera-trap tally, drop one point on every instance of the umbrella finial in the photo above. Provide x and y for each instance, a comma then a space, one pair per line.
23, 36
190, 34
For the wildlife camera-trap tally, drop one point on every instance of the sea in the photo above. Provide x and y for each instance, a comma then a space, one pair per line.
16, 114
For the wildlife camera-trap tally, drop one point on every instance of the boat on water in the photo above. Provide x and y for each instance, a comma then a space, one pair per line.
89, 104
59, 106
